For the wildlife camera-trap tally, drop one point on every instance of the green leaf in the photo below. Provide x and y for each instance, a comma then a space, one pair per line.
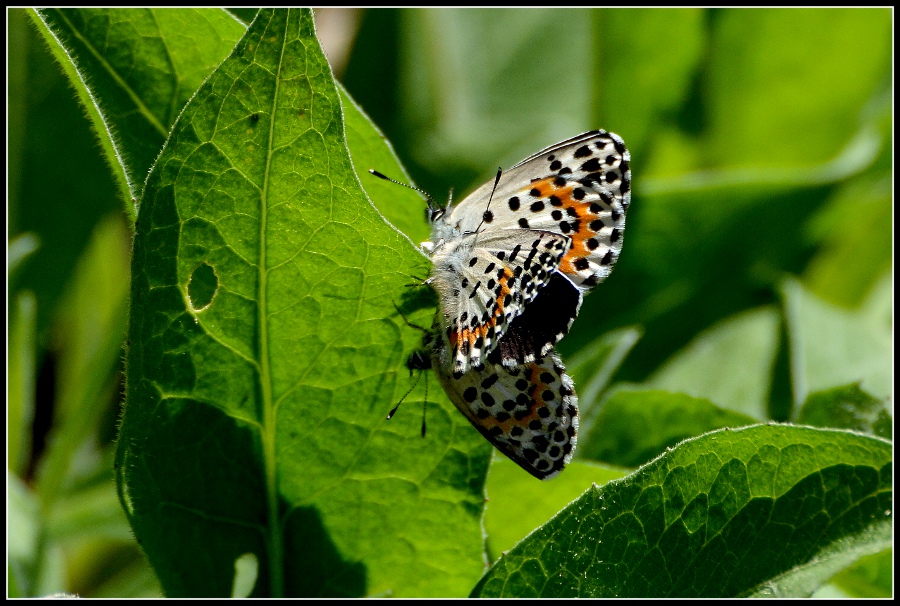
257, 423
134, 70
20, 364
34, 568
729, 514
595, 364
78, 81
593, 367
90, 337
729, 364
854, 253
635, 425
830, 347
59, 187
23, 540
770, 88
847, 407
22, 375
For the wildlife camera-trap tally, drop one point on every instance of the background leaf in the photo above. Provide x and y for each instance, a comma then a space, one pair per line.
644, 83
759, 118
847, 407
831, 347
89, 351
730, 364
872, 576
20, 389
594, 368
634, 424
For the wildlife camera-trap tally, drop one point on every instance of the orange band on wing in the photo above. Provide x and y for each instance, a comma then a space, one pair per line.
471, 334
578, 249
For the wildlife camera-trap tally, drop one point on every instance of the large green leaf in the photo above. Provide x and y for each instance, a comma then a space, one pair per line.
266, 350
137, 69
766, 510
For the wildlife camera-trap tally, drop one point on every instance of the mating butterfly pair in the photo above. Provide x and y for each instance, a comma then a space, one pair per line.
512, 262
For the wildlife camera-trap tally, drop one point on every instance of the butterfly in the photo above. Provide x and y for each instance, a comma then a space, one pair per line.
513, 259
512, 262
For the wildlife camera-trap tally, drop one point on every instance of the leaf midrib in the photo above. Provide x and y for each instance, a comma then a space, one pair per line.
274, 542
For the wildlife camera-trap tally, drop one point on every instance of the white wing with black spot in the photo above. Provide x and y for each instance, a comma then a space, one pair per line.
579, 188
485, 281
530, 413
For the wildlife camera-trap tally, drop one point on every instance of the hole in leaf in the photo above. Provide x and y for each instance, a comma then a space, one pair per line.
202, 286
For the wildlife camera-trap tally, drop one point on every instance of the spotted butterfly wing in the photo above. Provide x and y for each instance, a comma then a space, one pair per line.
530, 413
580, 188
485, 280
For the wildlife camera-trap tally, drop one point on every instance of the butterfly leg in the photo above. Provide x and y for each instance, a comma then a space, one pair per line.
405, 319
420, 282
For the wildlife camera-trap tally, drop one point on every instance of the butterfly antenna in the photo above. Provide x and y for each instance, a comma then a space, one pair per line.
424, 405
409, 391
432, 204
487, 214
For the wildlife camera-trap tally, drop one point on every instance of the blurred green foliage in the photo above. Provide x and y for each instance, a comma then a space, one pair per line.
757, 264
